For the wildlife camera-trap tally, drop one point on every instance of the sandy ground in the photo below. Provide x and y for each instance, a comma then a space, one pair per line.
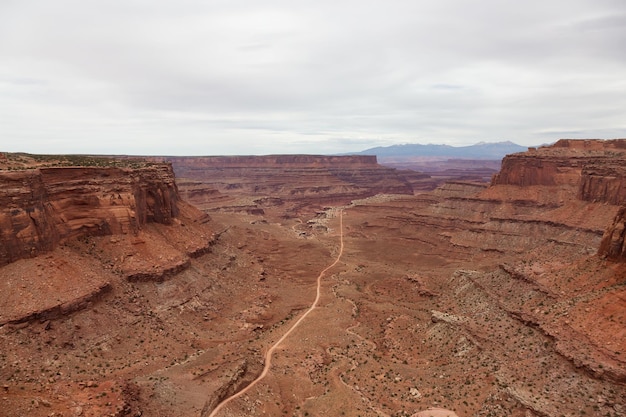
433, 304
435, 412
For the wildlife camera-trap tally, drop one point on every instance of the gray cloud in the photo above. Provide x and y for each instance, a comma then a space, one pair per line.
226, 77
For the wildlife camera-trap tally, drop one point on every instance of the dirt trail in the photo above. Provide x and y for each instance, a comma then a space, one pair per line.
270, 352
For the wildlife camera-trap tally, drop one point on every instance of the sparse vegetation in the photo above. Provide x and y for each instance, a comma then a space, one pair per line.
419, 313
22, 161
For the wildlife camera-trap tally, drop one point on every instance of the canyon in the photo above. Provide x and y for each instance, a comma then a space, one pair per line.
300, 184
156, 287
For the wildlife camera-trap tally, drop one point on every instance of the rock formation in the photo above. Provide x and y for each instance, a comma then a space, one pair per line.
489, 300
595, 169
58, 211
613, 243
301, 181
604, 181
42, 207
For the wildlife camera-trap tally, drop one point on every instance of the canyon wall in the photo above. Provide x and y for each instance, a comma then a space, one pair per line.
300, 180
591, 170
596, 169
613, 245
604, 181
39, 208
248, 161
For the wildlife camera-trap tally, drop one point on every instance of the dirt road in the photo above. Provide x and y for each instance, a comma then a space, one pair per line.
270, 352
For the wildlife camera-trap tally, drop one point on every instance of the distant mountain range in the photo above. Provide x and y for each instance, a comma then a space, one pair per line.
478, 151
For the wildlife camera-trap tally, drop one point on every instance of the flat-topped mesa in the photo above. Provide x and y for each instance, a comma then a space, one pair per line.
39, 208
306, 180
590, 144
595, 169
249, 161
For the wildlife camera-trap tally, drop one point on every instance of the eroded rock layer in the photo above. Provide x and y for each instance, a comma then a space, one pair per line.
587, 170
66, 233
613, 242
595, 168
41, 207
302, 181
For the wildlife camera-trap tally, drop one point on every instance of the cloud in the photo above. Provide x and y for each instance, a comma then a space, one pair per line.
280, 76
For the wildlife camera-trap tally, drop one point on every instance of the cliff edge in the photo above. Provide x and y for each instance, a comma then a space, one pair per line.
595, 169
613, 245
299, 182
67, 233
42, 207
589, 170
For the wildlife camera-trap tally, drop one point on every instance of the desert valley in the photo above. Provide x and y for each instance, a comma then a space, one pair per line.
156, 286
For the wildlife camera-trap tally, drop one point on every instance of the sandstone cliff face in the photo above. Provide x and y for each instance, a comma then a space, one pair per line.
303, 180
613, 245
40, 208
595, 169
605, 182
592, 170
526, 169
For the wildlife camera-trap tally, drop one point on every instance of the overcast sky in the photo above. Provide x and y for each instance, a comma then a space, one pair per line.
207, 77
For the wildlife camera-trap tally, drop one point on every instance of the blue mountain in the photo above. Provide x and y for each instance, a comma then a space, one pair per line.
478, 151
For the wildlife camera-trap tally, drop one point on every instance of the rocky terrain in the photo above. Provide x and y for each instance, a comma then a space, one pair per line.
501, 299
299, 184
441, 170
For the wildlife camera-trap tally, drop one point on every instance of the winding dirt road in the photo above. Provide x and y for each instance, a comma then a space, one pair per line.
270, 352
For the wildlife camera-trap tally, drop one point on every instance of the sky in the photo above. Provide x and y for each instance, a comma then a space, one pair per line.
221, 77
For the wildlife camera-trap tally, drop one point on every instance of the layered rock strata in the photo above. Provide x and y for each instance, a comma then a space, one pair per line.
537, 308
590, 170
92, 225
596, 169
613, 245
42, 207
489, 301
299, 180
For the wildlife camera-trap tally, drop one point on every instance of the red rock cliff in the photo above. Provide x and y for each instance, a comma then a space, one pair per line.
307, 180
41, 207
596, 169
604, 182
613, 245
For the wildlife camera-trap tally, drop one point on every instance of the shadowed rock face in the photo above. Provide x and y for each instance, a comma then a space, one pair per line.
613, 245
604, 181
41, 207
